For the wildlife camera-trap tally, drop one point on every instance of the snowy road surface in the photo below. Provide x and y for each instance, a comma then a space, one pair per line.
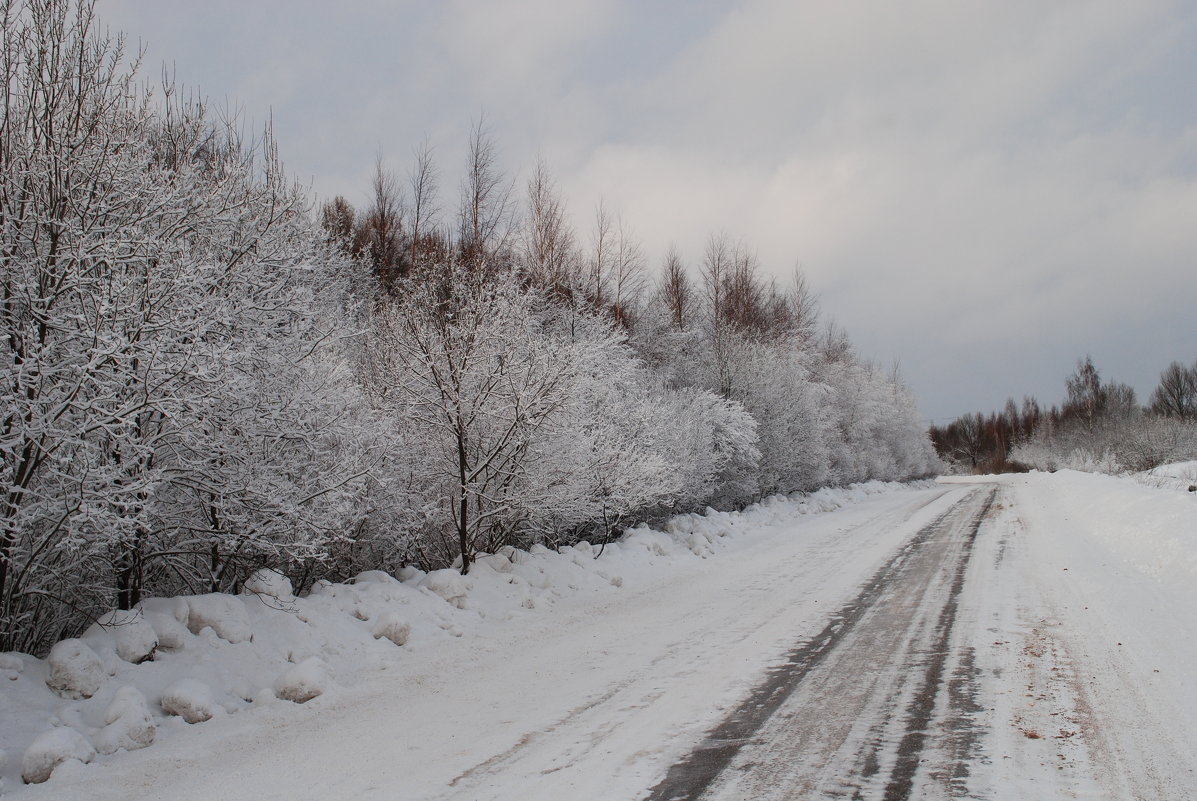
984, 640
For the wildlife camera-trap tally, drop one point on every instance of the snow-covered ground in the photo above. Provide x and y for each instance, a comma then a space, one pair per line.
1083, 600
585, 676
431, 645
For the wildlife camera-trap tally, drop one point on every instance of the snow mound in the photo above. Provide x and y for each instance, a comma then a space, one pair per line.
391, 626
189, 699
270, 583
75, 670
50, 750
162, 615
374, 577
224, 614
448, 584
304, 681
127, 632
130, 723
11, 668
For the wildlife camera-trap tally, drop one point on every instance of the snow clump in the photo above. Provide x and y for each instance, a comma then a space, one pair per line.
162, 615
132, 637
393, 627
189, 699
75, 670
130, 723
374, 577
11, 668
224, 614
270, 583
50, 750
304, 681
448, 584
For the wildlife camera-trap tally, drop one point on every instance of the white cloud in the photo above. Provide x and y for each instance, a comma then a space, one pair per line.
964, 181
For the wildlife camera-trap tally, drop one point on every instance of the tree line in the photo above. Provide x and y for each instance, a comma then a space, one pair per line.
1100, 425
201, 375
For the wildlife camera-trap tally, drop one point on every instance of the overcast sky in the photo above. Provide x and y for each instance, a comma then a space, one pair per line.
981, 191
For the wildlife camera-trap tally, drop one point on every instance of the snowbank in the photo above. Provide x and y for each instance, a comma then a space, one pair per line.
1152, 529
137, 676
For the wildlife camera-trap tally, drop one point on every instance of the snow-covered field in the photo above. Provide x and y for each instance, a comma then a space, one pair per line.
585, 676
1085, 601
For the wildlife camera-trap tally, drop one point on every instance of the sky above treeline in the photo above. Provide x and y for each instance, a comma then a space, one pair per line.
981, 191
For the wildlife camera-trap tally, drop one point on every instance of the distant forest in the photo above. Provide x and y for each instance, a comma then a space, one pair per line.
1100, 426
202, 375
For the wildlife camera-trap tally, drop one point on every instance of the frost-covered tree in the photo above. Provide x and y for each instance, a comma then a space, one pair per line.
462, 359
153, 264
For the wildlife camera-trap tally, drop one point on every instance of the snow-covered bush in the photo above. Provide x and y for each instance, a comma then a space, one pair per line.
390, 625
50, 750
75, 670
128, 632
225, 615
448, 584
190, 699
269, 583
303, 682
129, 723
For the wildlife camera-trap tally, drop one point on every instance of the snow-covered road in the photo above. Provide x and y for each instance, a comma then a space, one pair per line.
981, 640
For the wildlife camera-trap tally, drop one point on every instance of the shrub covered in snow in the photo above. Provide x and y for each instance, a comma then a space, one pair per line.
190, 699
304, 681
50, 750
448, 584
391, 626
130, 725
270, 583
224, 614
130, 635
75, 669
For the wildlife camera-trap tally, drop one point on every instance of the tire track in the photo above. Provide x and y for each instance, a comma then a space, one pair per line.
894, 636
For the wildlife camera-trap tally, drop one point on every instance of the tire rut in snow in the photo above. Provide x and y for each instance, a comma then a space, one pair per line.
692, 776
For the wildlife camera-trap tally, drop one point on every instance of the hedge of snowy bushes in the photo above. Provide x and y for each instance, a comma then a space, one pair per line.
196, 383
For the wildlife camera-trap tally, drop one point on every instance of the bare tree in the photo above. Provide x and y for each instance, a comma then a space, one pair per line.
423, 213
627, 276
337, 218
380, 230
716, 266
1176, 394
805, 308
598, 265
485, 215
675, 290
1086, 396
549, 257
